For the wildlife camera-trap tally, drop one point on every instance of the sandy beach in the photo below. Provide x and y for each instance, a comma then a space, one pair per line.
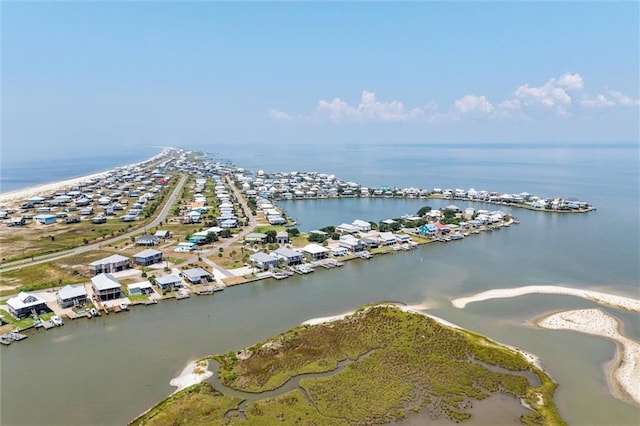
194, 373
625, 370
21, 195
620, 302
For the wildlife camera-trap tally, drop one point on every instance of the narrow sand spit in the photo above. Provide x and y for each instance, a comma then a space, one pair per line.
192, 374
613, 300
625, 370
47, 188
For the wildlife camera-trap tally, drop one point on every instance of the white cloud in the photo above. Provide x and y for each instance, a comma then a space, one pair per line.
598, 102
559, 96
279, 115
369, 109
472, 104
571, 81
622, 99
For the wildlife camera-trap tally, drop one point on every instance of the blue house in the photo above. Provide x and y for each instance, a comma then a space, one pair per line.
45, 219
427, 229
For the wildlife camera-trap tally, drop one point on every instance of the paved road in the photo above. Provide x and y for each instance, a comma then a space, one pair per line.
228, 241
95, 246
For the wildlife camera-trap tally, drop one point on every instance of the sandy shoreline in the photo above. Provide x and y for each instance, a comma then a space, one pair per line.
20, 195
194, 373
613, 300
625, 370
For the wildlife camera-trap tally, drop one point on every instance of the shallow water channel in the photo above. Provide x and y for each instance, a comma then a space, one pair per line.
498, 408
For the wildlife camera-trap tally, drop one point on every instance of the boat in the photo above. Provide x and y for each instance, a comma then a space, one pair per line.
93, 312
57, 321
124, 306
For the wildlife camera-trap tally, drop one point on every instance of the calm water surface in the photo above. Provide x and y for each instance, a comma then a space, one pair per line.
108, 370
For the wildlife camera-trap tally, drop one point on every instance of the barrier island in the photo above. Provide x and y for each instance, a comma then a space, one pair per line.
380, 364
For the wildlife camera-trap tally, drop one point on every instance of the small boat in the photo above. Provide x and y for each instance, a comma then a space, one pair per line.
57, 321
124, 306
93, 312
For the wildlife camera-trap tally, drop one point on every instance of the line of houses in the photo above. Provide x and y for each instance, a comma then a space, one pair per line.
120, 193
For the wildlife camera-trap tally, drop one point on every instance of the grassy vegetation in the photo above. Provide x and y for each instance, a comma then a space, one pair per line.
402, 362
196, 405
35, 240
288, 409
68, 270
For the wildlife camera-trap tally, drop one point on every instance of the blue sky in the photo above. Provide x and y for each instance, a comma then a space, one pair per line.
121, 74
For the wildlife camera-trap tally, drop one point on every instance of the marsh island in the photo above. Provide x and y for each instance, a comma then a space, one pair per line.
388, 363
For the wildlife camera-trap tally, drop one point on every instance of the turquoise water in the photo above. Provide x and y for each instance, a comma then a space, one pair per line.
107, 370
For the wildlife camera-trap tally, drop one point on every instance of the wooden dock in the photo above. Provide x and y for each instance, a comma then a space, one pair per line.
12, 336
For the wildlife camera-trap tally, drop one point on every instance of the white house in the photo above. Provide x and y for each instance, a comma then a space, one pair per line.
23, 304
263, 261
362, 225
315, 251
106, 287
351, 243
71, 295
346, 228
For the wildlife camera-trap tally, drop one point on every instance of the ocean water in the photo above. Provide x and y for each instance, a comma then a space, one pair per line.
16, 175
115, 367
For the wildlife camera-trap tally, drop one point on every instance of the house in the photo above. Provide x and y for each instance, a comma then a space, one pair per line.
387, 238
370, 242
427, 229
72, 295
98, 220
351, 243
136, 289
163, 234
290, 257
276, 220
346, 228
22, 305
339, 251
315, 251
168, 282
45, 219
185, 246
17, 221
256, 237
192, 217
147, 240
403, 238
263, 260
106, 287
147, 257
110, 264
361, 225
282, 237
196, 275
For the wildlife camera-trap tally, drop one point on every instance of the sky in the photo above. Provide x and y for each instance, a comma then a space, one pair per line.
84, 76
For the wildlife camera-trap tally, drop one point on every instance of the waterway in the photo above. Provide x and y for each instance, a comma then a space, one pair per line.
108, 370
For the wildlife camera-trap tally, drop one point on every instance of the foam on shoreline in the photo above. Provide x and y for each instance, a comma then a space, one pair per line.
625, 370
613, 300
194, 373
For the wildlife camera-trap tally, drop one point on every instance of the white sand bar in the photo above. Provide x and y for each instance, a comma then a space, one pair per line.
194, 373
626, 369
613, 300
